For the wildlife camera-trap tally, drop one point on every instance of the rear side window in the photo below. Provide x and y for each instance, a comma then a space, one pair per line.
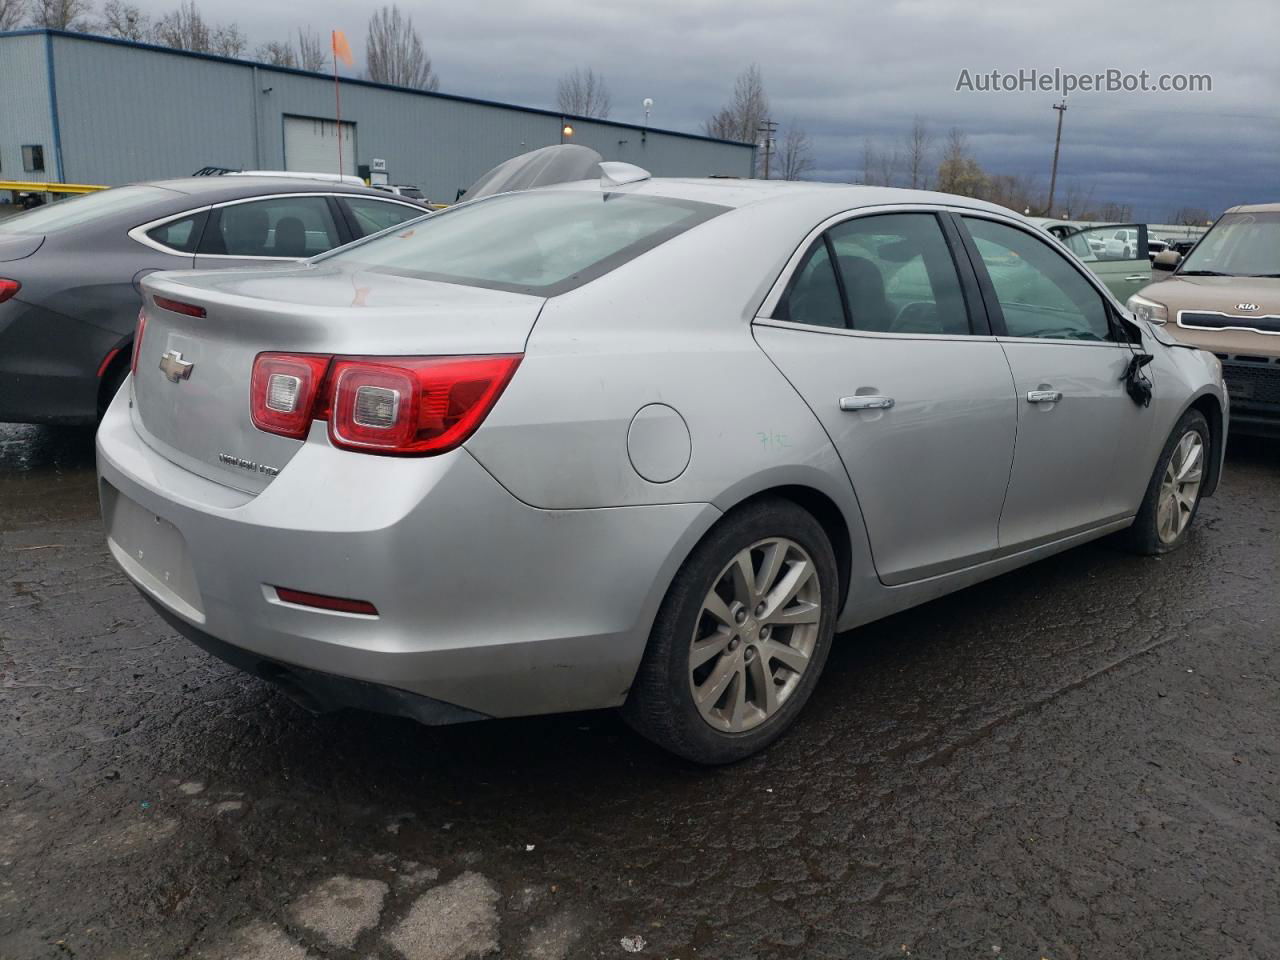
374, 216
898, 275
542, 242
181, 236
814, 294
276, 227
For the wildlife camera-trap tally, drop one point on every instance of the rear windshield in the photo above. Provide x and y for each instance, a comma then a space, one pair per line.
540, 242
78, 211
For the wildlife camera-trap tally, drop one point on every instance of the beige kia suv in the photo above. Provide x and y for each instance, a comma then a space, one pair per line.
1224, 296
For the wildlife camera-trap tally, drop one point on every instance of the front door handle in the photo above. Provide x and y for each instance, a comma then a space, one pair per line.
866, 403
1044, 396
1137, 278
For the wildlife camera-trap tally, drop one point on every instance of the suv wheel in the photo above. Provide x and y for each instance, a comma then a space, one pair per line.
741, 637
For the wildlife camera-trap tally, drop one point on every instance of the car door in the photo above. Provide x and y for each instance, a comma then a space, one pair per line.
1117, 254
367, 215
264, 230
1077, 424
880, 329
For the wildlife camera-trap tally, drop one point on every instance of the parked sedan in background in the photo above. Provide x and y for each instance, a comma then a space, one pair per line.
634, 443
69, 272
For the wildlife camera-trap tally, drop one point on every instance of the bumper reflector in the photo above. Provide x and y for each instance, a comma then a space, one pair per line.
322, 602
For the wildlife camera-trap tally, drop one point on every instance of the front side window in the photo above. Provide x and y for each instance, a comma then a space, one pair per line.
292, 227
374, 216
1239, 245
1039, 292
898, 275
541, 242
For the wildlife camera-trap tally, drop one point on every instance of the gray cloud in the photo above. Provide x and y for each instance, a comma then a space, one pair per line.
858, 70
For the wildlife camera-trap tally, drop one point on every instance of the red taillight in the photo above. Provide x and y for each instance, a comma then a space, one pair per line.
412, 405
137, 341
389, 405
8, 289
323, 602
283, 390
177, 306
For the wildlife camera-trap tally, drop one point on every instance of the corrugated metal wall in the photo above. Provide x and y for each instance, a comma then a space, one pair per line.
130, 113
25, 114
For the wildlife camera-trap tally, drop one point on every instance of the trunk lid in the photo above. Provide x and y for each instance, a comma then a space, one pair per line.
200, 418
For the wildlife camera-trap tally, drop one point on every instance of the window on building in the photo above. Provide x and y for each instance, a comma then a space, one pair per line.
33, 158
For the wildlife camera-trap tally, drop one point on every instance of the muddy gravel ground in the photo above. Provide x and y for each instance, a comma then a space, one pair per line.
1080, 759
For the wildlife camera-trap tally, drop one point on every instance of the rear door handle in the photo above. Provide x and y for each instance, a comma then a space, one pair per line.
1136, 278
1044, 396
866, 403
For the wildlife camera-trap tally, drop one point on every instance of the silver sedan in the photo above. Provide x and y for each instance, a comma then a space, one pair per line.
634, 443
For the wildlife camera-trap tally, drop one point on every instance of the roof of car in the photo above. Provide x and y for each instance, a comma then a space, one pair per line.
1256, 208
215, 188
732, 192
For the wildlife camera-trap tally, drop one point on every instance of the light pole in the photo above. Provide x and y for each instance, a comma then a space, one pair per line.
1057, 145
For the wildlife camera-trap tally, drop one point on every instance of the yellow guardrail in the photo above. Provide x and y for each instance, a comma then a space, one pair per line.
29, 186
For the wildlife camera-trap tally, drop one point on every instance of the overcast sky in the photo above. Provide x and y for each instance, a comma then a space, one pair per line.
848, 71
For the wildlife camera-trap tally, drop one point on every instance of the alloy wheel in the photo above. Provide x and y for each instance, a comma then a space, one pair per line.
755, 635
1180, 488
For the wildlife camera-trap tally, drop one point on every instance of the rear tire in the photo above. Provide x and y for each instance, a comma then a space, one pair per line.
734, 655
1173, 494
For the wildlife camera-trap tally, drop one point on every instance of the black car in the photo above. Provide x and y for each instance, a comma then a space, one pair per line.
69, 271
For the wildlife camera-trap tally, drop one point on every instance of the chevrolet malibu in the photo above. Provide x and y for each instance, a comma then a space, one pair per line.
634, 443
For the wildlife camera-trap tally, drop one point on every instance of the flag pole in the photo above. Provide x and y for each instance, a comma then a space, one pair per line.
337, 95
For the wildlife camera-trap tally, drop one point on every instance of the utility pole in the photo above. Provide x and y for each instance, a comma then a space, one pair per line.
1057, 145
767, 127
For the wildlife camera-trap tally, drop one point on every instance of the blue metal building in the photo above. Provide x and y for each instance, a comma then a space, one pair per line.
77, 108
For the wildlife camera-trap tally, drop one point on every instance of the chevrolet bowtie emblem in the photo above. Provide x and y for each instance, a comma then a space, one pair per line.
174, 367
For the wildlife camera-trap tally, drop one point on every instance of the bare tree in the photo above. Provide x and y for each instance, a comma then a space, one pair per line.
186, 29
124, 21
741, 118
61, 14
1190, 216
1116, 212
796, 157
228, 40
312, 54
918, 144
584, 93
958, 171
879, 167
183, 29
1077, 201
1016, 191
276, 53
11, 12
395, 54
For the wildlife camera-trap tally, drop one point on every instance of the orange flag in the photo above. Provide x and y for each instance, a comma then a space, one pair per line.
342, 49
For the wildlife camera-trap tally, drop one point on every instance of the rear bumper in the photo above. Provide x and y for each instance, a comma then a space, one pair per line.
484, 603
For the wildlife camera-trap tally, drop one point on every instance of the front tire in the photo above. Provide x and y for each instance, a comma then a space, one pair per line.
741, 637
1173, 494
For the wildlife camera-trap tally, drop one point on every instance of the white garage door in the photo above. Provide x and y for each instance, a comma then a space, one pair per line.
311, 145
